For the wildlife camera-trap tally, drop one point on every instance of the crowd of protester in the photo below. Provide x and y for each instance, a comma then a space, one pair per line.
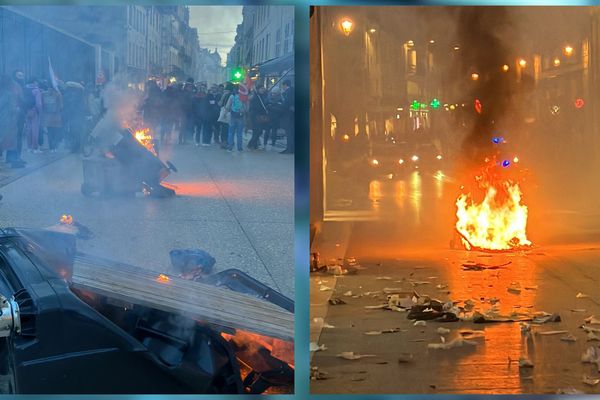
38, 116
219, 115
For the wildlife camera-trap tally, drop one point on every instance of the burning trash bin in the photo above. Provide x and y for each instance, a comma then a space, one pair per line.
127, 167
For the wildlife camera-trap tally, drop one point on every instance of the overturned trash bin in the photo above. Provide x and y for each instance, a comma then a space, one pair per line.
127, 168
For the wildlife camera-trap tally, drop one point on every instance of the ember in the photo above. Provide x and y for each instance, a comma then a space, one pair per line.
162, 278
66, 219
499, 221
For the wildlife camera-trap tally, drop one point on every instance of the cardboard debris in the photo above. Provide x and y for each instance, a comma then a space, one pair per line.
472, 266
514, 288
316, 347
581, 295
420, 323
324, 288
548, 333
348, 293
383, 278
373, 333
350, 355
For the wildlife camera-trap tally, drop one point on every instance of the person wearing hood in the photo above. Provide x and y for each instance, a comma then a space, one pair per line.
13, 156
33, 113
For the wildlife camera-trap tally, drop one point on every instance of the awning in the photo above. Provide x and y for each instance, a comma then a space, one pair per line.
275, 66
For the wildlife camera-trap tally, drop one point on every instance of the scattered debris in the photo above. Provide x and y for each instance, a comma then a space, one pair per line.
548, 333
443, 331
336, 301
543, 318
358, 378
349, 355
591, 336
514, 288
316, 347
525, 363
405, 358
383, 278
569, 391
319, 321
377, 307
568, 338
324, 288
592, 356
578, 310
592, 320
420, 323
348, 293
531, 287
373, 333
481, 267
581, 295
590, 381
316, 375
458, 342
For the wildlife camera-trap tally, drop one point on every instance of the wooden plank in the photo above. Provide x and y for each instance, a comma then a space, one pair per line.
196, 300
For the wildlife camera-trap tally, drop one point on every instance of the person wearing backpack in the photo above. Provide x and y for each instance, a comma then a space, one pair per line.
33, 111
235, 107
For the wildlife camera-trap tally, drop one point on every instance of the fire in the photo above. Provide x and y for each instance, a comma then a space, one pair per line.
66, 219
499, 221
162, 278
145, 138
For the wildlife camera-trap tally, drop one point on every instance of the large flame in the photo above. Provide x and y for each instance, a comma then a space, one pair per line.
498, 222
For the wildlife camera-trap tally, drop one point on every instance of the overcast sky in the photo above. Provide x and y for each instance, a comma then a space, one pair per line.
216, 26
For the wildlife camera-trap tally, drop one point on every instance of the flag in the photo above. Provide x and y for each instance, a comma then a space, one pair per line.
244, 88
53, 78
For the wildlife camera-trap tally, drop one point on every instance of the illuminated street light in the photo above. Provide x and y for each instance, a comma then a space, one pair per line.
556, 62
505, 68
432, 41
568, 50
346, 138
474, 76
347, 26
522, 63
456, 48
372, 30
410, 43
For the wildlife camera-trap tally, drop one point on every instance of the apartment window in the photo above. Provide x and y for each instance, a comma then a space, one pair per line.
267, 46
286, 43
278, 42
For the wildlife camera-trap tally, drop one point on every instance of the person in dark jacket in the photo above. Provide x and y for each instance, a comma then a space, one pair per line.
9, 114
213, 111
208, 116
186, 112
13, 156
171, 112
198, 112
74, 114
287, 115
153, 108
259, 117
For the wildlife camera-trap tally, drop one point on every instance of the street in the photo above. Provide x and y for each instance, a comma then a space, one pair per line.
236, 206
405, 248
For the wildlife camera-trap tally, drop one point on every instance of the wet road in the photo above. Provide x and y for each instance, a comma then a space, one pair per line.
403, 243
238, 207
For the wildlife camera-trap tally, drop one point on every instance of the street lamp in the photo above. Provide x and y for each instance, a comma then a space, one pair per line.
556, 62
347, 26
474, 76
505, 68
568, 50
522, 63
372, 30
410, 43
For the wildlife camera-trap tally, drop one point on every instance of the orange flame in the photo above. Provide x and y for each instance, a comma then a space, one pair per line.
499, 221
162, 278
145, 138
66, 219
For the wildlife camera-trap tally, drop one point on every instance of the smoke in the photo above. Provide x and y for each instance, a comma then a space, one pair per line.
482, 34
122, 105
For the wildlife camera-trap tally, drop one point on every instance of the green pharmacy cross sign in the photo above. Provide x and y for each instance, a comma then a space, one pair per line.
237, 74
435, 104
415, 105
